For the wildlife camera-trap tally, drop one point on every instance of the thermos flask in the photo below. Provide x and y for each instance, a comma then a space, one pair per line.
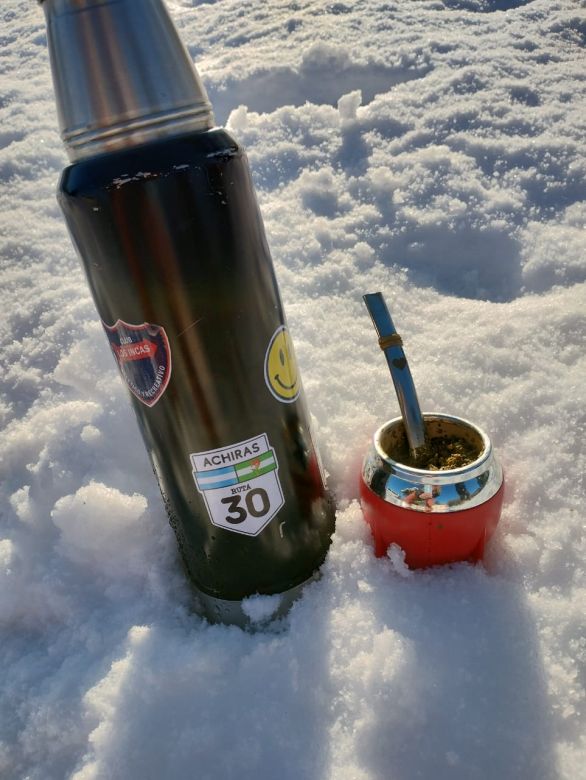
161, 209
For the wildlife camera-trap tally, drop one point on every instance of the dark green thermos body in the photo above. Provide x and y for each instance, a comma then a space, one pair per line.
162, 211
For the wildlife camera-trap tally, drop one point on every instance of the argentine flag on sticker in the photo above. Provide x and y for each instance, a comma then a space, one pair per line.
239, 484
215, 478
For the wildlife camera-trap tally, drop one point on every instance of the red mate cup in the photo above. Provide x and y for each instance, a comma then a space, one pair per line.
436, 517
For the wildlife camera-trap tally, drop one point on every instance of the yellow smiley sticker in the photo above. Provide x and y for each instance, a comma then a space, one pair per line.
281, 374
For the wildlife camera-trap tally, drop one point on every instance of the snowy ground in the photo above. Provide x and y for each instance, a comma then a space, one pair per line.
431, 149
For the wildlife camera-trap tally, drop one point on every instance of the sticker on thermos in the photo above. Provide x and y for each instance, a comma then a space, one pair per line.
281, 373
240, 484
143, 355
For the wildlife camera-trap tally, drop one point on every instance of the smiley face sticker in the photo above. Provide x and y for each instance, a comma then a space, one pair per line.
281, 373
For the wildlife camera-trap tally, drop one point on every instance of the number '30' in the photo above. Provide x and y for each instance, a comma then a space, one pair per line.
256, 503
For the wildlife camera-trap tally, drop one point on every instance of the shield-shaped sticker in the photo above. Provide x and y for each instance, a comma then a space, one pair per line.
240, 484
143, 356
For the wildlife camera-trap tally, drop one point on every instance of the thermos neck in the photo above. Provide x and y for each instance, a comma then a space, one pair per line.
122, 77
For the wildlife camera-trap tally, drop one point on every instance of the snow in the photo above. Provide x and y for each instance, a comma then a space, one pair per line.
433, 150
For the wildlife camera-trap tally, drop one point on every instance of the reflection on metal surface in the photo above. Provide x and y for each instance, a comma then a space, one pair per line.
391, 344
433, 491
122, 76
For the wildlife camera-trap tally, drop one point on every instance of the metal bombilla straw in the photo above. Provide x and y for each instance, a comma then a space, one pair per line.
392, 345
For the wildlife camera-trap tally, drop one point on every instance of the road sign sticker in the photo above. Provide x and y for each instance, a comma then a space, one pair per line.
240, 484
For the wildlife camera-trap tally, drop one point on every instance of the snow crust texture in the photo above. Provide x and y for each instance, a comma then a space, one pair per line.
433, 150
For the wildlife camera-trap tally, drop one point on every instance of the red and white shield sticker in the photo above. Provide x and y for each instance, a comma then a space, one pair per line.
143, 355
